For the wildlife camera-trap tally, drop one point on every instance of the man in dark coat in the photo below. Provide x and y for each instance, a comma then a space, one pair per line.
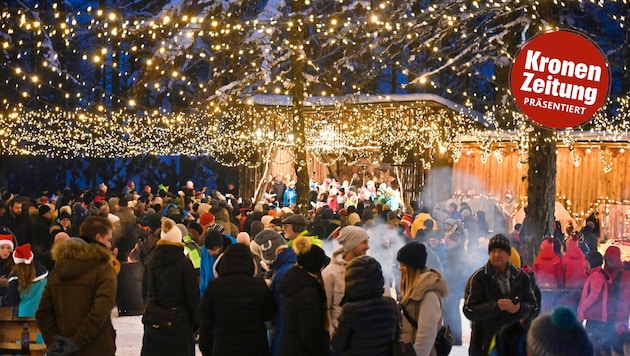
16, 220
235, 307
496, 295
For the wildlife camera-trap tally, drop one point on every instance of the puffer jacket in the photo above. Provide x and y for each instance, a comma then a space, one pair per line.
548, 267
303, 315
573, 263
79, 298
368, 323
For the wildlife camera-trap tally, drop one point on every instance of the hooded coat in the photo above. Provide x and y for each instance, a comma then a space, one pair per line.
573, 263
425, 306
234, 308
79, 298
547, 267
172, 280
368, 324
303, 315
285, 260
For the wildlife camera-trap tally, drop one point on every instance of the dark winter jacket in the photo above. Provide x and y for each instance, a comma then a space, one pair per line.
368, 323
481, 307
171, 282
79, 298
285, 260
303, 314
234, 308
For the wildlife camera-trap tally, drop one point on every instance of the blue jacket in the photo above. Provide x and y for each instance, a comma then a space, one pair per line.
284, 261
27, 300
206, 272
290, 197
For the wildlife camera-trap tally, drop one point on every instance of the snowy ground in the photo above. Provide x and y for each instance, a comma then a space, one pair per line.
129, 336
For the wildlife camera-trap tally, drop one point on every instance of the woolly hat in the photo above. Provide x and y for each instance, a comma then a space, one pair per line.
212, 239
183, 229
265, 220
558, 334
413, 254
6, 237
63, 215
295, 219
501, 242
23, 254
353, 219
351, 236
311, 257
151, 220
265, 244
170, 232
595, 259
206, 219
613, 254
43, 209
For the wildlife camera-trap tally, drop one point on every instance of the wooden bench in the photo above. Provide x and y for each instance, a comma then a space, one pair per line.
11, 332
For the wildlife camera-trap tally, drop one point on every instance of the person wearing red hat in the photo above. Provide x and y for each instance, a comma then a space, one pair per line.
7, 243
27, 281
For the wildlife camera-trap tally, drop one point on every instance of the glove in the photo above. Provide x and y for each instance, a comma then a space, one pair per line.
63, 346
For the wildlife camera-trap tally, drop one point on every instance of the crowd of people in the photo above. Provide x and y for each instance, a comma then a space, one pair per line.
356, 275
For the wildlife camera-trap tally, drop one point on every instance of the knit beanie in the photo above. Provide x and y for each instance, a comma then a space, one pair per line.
413, 254
351, 236
183, 229
311, 257
23, 254
206, 219
170, 232
595, 259
500, 241
558, 334
43, 209
265, 244
212, 239
353, 219
6, 237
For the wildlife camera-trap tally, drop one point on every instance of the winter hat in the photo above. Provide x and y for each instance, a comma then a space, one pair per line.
206, 219
212, 239
170, 232
295, 219
501, 242
573, 241
6, 237
265, 220
450, 221
351, 236
151, 220
203, 208
353, 219
413, 254
243, 238
43, 209
311, 257
558, 334
23, 254
217, 227
64, 215
515, 258
265, 244
594, 259
183, 229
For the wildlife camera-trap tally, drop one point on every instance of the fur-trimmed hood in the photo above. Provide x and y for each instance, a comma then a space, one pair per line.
75, 257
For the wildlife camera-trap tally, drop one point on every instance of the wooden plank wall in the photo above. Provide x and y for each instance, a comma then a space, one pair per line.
580, 189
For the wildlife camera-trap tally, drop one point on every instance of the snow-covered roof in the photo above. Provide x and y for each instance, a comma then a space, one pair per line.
357, 99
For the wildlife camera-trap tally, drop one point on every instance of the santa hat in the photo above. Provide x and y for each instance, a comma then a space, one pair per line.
23, 254
6, 237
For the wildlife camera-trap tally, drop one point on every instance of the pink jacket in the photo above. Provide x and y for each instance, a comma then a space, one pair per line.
594, 296
547, 267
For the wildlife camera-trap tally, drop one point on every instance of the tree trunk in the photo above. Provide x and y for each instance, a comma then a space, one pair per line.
297, 67
541, 192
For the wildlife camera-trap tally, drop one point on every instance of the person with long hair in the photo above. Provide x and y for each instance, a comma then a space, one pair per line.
421, 290
27, 281
7, 243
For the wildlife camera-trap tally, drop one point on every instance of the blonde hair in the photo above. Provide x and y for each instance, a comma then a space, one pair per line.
408, 280
25, 274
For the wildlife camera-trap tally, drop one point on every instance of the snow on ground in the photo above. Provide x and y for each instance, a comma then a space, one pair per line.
129, 336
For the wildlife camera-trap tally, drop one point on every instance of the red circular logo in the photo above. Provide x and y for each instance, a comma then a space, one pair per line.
560, 79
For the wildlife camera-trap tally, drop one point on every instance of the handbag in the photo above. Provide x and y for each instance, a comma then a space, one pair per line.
444, 341
403, 349
157, 316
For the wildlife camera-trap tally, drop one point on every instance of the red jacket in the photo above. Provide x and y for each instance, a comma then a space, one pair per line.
573, 266
594, 296
548, 267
